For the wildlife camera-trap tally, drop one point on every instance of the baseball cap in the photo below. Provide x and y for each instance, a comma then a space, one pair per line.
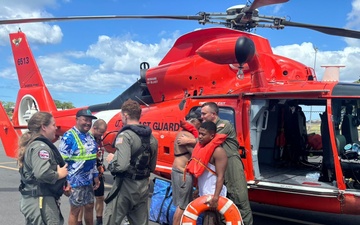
85, 112
194, 115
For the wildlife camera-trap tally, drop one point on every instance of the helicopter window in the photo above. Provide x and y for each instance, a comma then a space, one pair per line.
166, 150
346, 114
225, 113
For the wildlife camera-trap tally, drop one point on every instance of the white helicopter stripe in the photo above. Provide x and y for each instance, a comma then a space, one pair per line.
107, 115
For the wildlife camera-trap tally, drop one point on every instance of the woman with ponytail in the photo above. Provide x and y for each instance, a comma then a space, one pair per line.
43, 172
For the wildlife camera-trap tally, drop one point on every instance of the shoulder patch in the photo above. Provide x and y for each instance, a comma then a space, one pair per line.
119, 140
221, 125
43, 154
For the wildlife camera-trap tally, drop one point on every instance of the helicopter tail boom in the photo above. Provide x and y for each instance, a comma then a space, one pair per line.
33, 95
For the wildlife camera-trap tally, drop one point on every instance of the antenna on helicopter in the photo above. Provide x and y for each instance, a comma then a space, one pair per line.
316, 50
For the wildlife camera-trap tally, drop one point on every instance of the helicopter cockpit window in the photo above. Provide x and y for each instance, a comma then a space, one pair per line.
227, 114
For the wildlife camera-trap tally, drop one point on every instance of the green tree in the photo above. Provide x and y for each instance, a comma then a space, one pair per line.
64, 105
9, 108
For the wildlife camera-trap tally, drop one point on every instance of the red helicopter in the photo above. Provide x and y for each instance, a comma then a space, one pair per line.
261, 93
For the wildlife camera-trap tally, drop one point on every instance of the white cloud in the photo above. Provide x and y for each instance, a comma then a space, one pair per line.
8, 73
277, 8
117, 65
121, 54
31, 5
305, 53
353, 22
36, 32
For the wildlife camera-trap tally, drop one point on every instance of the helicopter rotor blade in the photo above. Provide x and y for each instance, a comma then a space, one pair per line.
243, 18
325, 29
72, 18
260, 3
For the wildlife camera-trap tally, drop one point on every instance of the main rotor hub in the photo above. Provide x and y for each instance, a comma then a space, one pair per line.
241, 18
237, 9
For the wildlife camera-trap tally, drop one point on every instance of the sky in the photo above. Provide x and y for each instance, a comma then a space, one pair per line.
92, 62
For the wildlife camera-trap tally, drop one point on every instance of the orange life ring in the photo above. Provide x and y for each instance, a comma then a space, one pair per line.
225, 206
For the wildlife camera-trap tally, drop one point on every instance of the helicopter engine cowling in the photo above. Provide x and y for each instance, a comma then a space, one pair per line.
228, 50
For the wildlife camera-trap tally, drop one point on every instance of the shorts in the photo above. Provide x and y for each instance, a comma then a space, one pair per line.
182, 190
81, 196
101, 189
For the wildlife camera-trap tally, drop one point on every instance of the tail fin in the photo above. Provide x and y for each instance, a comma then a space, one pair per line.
9, 136
33, 95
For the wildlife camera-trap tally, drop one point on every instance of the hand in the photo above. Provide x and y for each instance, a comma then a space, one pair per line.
101, 169
182, 140
67, 189
212, 202
96, 183
109, 157
62, 171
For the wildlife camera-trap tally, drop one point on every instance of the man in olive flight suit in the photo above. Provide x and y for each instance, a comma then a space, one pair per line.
133, 161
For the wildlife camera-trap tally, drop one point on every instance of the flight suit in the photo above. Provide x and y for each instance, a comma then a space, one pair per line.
40, 163
132, 198
235, 180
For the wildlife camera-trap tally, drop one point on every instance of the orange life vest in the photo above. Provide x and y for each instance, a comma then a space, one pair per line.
201, 155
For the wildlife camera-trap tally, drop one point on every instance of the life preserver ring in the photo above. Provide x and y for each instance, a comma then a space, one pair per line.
225, 206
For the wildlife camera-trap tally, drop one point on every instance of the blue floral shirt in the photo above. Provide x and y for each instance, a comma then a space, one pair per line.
81, 158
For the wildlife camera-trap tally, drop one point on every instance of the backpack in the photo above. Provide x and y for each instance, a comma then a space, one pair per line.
140, 160
161, 208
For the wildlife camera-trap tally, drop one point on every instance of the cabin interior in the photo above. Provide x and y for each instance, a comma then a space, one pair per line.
292, 140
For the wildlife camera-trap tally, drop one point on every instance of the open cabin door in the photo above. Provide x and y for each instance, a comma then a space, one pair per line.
258, 120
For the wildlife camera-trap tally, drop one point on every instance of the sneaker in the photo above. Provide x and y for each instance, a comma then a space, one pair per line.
126, 222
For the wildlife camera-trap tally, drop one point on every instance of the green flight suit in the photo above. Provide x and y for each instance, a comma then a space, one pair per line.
132, 199
235, 180
40, 163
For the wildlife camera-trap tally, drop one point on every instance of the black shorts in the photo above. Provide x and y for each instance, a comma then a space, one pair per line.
101, 190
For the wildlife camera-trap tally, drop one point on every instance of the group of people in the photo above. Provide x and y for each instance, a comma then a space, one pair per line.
209, 154
76, 167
